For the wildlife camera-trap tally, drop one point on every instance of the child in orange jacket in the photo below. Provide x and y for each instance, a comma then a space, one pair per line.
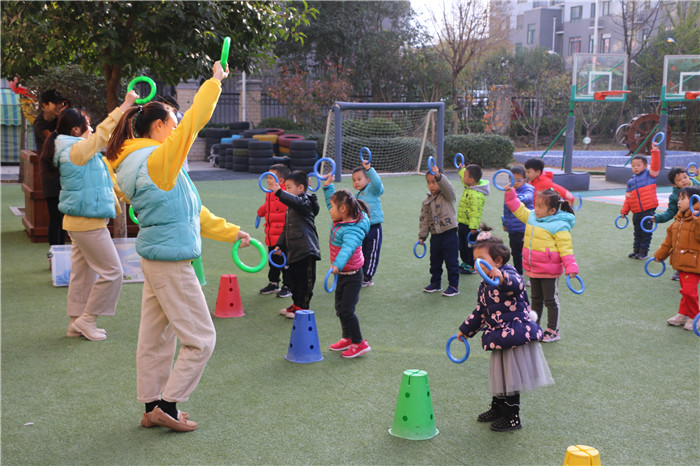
682, 244
274, 212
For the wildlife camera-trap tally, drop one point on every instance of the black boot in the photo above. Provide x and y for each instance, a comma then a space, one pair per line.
494, 412
633, 254
642, 255
510, 419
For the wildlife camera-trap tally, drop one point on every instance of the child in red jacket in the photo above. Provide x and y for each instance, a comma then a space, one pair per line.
274, 213
640, 198
542, 180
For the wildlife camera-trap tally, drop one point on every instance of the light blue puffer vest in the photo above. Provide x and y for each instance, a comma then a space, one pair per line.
168, 220
86, 190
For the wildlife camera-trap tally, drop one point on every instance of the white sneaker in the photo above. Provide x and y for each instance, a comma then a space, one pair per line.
678, 320
689, 325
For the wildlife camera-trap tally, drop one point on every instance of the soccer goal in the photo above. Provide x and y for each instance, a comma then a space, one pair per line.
400, 136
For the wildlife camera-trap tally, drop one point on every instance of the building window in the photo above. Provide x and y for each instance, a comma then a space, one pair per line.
576, 13
593, 10
605, 43
605, 10
591, 44
518, 46
574, 45
530, 33
519, 22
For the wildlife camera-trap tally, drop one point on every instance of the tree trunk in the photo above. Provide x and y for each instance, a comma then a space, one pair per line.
112, 78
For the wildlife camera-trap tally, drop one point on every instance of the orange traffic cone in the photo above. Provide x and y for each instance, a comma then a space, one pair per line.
228, 301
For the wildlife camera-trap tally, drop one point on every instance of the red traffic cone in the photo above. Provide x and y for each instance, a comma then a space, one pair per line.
228, 301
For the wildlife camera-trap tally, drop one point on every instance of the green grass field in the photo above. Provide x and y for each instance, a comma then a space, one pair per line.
626, 383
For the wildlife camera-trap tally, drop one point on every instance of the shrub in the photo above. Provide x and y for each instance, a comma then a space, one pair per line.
486, 150
286, 124
374, 127
395, 154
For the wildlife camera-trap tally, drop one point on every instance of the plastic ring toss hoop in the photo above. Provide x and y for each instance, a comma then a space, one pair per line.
275, 264
331, 287
458, 156
132, 216
687, 169
469, 236
415, 250
257, 221
692, 201
503, 170
318, 163
145, 79
264, 176
369, 155
224, 52
654, 224
491, 281
580, 203
646, 268
263, 254
431, 164
695, 325
627, 221
660, 140
318, 185
568, 283
449, 353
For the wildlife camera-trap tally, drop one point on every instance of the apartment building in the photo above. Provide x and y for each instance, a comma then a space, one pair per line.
569, 27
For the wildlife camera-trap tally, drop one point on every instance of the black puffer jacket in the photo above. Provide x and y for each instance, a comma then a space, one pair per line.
299, 237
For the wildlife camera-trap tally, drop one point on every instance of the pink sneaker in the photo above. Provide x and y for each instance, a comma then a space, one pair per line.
341, 345
356, 349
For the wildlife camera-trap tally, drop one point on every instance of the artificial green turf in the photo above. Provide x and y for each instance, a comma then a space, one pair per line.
626, 383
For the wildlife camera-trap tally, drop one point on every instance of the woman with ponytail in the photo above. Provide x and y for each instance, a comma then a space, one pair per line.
147, 151
88, 201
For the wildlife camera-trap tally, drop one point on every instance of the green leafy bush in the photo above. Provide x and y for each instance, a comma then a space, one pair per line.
486, 150
286, 124
376, 127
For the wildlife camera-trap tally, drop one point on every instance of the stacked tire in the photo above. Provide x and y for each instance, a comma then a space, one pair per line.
260, 156
228, 158
284, 140
214, 135
238, 127
240, 154
303, 155
249, 133
217, 151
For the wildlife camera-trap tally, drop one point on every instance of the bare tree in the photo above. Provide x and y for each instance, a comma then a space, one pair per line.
462, 32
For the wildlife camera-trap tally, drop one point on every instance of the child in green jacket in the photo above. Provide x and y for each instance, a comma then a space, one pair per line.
471, 206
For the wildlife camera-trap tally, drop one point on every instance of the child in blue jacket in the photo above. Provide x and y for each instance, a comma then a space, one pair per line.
350, 225
503, 312
369, 189
514, 227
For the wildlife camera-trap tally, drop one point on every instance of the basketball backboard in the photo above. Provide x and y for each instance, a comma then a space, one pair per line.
681, 77
599, 73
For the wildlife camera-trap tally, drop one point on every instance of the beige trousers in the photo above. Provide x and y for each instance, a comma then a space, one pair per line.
92, 254
173, 308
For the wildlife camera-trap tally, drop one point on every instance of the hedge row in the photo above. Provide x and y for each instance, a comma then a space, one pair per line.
486, 150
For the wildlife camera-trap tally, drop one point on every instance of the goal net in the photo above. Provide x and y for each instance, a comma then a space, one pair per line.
400, 137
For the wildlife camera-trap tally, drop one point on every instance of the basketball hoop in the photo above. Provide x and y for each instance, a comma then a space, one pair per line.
603, 95
692, 95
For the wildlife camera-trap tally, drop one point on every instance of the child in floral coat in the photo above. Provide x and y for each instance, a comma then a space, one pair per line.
503, 312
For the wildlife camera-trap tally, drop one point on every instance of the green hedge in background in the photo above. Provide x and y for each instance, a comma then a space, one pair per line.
485, 150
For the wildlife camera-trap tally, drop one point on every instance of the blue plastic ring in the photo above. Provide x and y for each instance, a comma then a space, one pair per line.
257, 221
687, 169
449, 353
568, 283
265, 175
458, 155
275, 264
320, 161
431, 164
627, 221
315, 175
695, 325
580, 203
477, 265
503, 170
469, 235
415, 250
362, 160
655, 142
694, 212
329, 289
653, 229
646, 268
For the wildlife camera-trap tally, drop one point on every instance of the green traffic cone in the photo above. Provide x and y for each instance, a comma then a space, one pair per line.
413, 418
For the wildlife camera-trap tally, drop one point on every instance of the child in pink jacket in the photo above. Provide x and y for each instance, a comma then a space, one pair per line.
547, 251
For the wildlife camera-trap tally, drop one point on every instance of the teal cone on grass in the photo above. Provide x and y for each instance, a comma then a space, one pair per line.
413, 418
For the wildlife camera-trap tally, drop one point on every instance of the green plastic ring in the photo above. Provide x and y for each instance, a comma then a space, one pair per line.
224, 52
145, 79
132, 216
241, 265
